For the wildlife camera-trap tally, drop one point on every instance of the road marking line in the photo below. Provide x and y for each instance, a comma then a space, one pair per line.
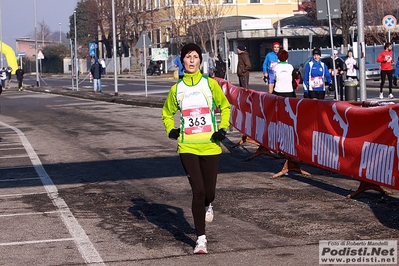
21, 195
16, 167
13, 156
148, 92
19, 179
28, 213
35, 242
82, 241
7, 149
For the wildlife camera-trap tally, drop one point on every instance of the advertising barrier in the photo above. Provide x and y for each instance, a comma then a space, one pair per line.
338, 136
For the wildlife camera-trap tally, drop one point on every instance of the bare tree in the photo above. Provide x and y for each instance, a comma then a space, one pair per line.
215, 14
374, 12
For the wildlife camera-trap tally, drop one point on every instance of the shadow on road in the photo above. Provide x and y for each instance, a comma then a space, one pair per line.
164, 216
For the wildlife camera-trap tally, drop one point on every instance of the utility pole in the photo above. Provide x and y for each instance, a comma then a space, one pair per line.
362, 54
37, 62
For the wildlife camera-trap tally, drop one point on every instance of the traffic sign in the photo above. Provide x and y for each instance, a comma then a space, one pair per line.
93, 45
144, 42
40, 55
389, 21
21, 54
92, 48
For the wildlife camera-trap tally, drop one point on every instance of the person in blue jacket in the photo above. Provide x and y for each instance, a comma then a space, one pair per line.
396, 75
316, 73
271, 60
179, 66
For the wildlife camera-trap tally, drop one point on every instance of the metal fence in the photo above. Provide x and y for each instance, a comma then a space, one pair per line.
297, 57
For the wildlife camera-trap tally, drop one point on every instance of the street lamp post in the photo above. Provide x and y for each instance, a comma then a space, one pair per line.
76, 53
114, 45
60, 32
37, 63
1, 36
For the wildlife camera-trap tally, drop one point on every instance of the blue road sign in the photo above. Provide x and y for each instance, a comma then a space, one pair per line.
92, 48
389, 21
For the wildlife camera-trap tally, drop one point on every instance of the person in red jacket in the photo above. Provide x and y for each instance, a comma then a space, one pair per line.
386, 60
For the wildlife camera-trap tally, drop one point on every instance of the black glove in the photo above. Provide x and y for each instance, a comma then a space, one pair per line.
219, 135
174, 133
331, 88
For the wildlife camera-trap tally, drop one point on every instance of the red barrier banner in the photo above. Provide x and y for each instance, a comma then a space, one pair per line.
359, 142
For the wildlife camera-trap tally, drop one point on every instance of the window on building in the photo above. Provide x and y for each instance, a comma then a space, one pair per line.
254, 1
193, 2
228, 1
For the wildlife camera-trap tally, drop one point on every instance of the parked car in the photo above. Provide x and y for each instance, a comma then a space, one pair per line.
372, 70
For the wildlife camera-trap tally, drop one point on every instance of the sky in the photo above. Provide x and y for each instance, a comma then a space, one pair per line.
17, 17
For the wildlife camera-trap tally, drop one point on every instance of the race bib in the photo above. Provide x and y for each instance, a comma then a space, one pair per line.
316, 82
197, 120
273, 64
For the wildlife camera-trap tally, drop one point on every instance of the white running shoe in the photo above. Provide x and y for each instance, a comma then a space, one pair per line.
209, 214
381, 95
200, 247
390, 96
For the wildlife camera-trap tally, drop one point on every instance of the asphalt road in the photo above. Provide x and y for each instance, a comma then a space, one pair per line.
93, 180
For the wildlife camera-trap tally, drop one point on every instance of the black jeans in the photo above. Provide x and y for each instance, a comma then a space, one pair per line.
244, 81
202, 175
385, 73
19, 83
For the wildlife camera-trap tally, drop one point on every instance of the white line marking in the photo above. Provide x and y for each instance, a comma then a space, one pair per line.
16, 167
21, 195
19, 179
12, 157
82, 241
35, 242
28, 213
7, 149
148, 92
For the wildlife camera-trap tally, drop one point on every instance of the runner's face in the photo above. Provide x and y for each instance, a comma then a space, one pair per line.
316, 57
276, 48
191, 62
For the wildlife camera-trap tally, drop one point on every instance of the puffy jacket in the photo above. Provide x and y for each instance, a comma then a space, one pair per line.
244, 64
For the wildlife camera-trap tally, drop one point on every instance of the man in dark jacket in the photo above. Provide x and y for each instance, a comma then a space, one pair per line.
243, 66
19, 73
96, 70
340, 67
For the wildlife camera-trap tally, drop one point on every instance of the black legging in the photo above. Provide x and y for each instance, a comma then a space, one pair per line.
202, 174
384, 73
19, 83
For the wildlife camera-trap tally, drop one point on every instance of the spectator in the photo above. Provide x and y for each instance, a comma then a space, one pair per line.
95, 71
211, 64
316, 72
179, 66
386, 60
20, 76
351, 66
103, 66
283, 73
243, 66
9, 74
3, 77
270, 61
198, 137
338, 72
220, 69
